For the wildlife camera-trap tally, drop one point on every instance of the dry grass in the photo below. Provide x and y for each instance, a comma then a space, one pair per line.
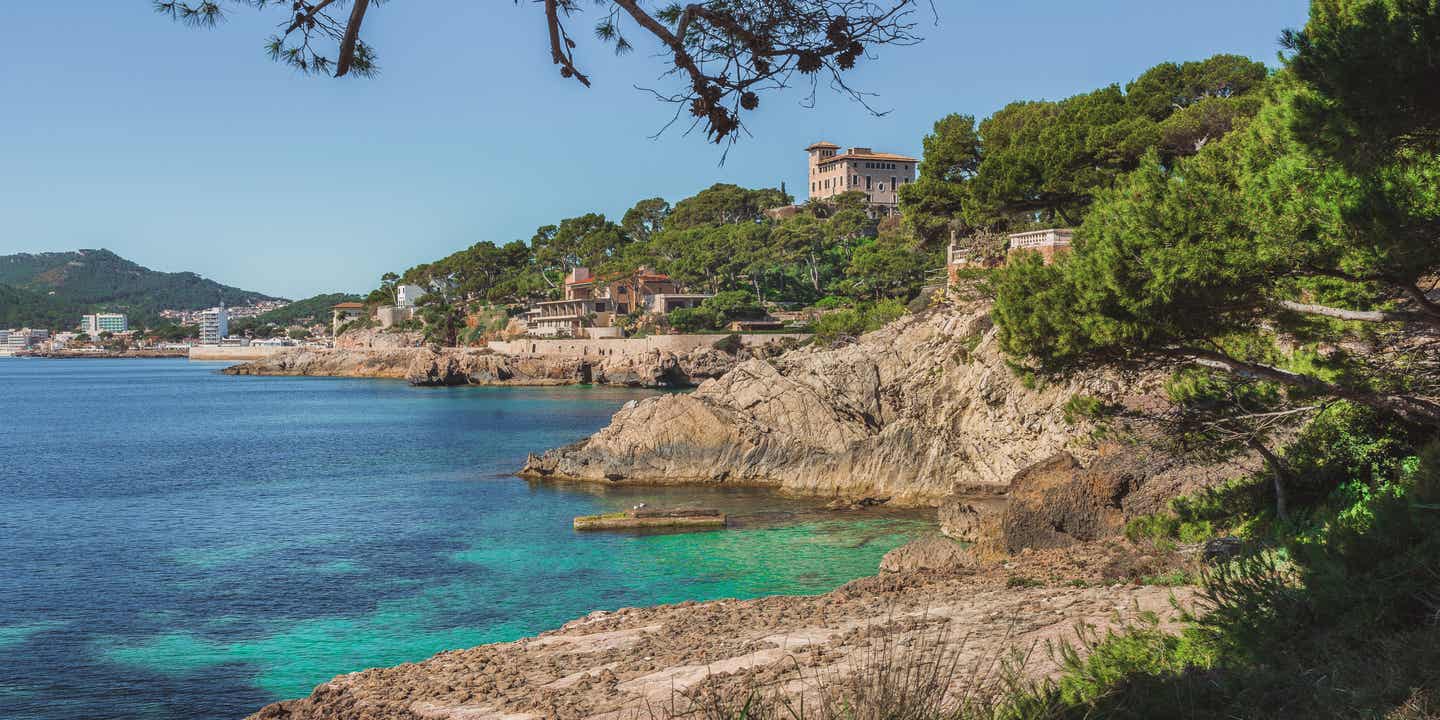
919, 677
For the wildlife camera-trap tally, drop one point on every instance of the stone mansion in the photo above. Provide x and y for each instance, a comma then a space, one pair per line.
859, 169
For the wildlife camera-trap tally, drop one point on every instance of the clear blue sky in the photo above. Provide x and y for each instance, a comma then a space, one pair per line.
187, 149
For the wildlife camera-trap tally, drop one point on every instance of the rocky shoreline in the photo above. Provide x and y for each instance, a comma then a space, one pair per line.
108, 355
648, 662
435, 367
909, 414
925, 412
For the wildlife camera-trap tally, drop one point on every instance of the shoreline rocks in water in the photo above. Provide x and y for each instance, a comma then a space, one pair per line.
644, 518
438, 367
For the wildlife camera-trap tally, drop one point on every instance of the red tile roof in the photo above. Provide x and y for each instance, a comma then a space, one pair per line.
350, 306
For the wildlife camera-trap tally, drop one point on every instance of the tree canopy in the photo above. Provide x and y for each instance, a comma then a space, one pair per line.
720, 240
1037, 163
1298, 251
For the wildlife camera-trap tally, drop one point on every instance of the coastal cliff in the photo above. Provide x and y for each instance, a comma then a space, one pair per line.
428, 366
909, 413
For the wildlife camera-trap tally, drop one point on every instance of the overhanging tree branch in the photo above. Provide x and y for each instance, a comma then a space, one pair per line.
1412, 409
1356, 315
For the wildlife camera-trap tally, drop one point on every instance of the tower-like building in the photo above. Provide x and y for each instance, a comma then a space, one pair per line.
214, 325
859, 169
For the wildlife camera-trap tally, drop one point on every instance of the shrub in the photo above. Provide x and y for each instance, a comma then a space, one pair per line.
734, 305
1081, 406
696, 319
842, 323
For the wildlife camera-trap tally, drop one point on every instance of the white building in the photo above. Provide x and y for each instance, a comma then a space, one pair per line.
214, 325
17, 340
408, 295
93, 325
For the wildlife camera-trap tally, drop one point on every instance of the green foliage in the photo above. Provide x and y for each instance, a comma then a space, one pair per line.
1021, 581
444, 317
1180, 261
53, 289
887, 268
22, 308
1080, 406
1373, 65
308, 311
1044, 162
697, 319
854, 322
734, 305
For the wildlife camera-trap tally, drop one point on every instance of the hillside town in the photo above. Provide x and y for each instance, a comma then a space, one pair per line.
585, 303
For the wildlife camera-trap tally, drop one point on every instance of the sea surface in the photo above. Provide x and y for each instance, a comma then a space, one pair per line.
176, 543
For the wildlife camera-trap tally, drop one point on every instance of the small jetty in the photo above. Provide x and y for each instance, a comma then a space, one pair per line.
643, 517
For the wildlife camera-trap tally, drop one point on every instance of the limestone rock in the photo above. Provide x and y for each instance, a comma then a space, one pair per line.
966, 519
928, 552
907, 412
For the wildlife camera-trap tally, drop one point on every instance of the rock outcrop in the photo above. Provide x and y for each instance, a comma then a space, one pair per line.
1057, 502
928, 552
909, 412
431, 366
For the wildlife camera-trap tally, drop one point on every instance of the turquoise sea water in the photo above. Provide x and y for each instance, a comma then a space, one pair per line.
175, 543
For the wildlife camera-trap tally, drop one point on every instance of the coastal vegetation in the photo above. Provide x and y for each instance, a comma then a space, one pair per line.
720, 240
311, 310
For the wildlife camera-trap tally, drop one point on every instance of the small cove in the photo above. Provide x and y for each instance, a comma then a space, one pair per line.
181, 544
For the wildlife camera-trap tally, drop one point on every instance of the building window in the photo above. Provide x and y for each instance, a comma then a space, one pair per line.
867, 182
622, 308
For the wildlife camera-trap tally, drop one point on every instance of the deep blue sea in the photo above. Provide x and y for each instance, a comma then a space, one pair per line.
176, 543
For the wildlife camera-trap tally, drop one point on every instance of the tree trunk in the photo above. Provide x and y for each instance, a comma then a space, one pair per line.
1281, 474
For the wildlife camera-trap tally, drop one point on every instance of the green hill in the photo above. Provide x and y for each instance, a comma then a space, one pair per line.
310, 309
52, 289
22, 308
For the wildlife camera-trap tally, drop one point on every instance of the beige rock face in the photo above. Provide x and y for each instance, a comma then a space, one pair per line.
911, 411
374, 339
928, 552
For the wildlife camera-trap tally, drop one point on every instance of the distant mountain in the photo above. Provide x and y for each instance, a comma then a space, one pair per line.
42, 286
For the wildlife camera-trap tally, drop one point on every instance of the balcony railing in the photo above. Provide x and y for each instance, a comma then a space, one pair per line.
1038, 238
